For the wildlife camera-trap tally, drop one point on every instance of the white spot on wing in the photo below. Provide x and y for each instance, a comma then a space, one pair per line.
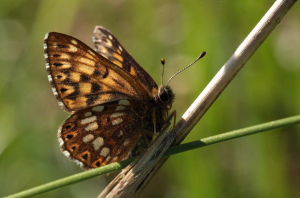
87, 114
88, 138
88, 120
124, 102
72, 48
108, 158
66, 153
118, 108
92, 126
120, 48
79, 163
126, 142
46, 36
74, 42
117, 121
98, 108
104, 152
115, 115
50, 78
54, 91
98, 142
61, 104
61, 142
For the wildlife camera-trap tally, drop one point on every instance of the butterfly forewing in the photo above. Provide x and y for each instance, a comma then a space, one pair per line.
80, 77
108, 46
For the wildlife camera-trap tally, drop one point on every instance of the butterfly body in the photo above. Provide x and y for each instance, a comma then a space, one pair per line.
116, 106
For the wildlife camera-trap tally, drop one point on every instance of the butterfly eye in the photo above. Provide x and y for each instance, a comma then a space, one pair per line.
163, 95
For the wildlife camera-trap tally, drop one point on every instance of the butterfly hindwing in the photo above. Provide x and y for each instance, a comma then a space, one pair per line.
102, 134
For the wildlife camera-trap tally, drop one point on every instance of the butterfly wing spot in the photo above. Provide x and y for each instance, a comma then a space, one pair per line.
117, 121
133, 71
98, 108
66, 153
124, 102
65, 56
121, 133
85, 88
88, 138
96, 88
76, 77
85, 156
117, 56
84, 78
66, 90
62, 65
92, 127
91, 53
126, 142
107, 158
108, 41
50, 78
120, 48
62, 46
87, 114
54, 91
73, 147
117, 63
57, 64
88, 120
61, 76
74, 42
98, 142
88, 70
72, 48
78, 162
70, 136
115, 115
119, 108
103, 50
105, 151
86, 61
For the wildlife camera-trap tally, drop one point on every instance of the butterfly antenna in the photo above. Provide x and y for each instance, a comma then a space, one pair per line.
163, 70
201, 56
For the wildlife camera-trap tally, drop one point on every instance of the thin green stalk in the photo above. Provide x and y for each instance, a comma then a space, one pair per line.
174, 150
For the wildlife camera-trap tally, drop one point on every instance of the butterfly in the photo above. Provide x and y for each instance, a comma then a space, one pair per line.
116, 107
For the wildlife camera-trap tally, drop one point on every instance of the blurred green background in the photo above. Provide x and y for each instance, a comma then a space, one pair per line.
263, 165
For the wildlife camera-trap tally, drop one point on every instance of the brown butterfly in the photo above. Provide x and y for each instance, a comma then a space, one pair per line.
116, 106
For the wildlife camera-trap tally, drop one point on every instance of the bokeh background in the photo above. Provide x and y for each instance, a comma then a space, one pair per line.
262, 165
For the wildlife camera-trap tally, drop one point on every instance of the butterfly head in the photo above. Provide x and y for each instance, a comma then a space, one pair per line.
165, 96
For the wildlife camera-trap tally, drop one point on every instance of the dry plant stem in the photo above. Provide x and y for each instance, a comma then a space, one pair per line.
236, 62
243, 53
135, 174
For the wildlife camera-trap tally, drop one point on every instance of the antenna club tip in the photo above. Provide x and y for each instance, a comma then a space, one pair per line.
162, 61
202, 54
